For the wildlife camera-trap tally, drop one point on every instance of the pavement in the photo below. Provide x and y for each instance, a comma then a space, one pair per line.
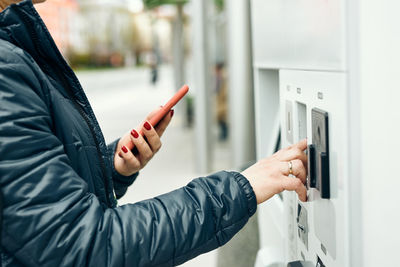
121, 99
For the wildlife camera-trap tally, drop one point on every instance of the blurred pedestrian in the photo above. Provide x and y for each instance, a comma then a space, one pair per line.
153, 63
222, 101
60, 181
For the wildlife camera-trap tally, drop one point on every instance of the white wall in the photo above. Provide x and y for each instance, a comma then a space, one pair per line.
380, 118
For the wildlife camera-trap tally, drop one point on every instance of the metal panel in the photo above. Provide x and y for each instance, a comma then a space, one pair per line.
326, 219
301, 34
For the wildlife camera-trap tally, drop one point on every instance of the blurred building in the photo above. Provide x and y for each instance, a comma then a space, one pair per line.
108, 32
59, 17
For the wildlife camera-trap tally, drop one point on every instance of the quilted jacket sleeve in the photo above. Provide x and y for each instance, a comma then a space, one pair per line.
50, 218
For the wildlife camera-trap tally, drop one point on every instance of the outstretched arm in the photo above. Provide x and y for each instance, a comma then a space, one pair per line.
51, 219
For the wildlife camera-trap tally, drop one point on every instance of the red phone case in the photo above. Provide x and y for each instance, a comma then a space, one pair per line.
164, 110
167, 107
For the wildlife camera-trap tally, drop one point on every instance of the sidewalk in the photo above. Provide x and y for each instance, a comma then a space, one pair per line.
121, 99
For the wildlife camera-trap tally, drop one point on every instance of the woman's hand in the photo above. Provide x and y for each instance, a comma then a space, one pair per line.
270, 176
127, 162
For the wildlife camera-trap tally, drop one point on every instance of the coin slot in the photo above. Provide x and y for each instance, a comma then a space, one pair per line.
289, 121
302, 120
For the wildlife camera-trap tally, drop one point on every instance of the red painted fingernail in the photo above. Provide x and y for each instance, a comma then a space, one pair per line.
147, 126
172, 112
124, 149
134, 133
120, 154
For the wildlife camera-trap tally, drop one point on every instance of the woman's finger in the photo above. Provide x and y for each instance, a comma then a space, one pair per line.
302, 145
129, 158
298, 169
152, 137
163, 124
144, 150
292, 154
294, 184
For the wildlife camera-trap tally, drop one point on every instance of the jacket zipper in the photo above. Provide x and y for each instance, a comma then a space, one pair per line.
71, 95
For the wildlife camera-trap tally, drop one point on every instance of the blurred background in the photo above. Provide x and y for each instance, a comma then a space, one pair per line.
132, 55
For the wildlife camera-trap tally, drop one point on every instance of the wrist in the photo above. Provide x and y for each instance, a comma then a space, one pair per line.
253, 185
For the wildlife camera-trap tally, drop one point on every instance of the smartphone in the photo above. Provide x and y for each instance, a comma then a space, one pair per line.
163, 111
169, 105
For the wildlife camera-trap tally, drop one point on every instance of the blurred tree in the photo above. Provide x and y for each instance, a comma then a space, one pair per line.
219, 4
155, 3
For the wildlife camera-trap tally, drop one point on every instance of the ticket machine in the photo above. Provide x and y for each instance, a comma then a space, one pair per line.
301, 91
327, 70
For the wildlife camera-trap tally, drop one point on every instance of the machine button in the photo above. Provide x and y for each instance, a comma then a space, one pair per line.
311, 179
320, 138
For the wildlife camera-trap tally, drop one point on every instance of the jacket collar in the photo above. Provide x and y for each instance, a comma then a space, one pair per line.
21, 25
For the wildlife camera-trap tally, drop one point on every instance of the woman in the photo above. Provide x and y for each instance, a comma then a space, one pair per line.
58, 177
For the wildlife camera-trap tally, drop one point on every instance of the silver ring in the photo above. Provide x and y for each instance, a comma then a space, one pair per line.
290, 168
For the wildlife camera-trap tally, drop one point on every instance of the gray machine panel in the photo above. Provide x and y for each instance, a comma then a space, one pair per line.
301, 34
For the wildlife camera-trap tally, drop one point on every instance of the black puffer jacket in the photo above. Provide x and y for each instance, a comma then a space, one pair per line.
57, 177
